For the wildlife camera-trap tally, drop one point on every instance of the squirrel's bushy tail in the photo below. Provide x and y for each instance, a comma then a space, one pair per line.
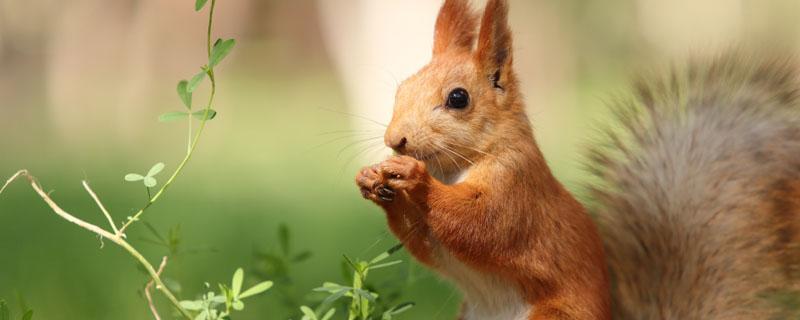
699, 199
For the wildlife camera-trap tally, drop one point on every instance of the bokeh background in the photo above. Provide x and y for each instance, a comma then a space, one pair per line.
83, 81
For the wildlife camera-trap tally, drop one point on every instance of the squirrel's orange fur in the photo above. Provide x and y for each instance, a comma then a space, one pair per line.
482, 194
698, 202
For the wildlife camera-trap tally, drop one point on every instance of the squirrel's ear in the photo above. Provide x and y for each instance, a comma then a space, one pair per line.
455, 27
493, 55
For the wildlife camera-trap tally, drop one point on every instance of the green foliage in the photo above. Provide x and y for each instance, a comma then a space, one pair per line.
276, 265
207, 114
360, 299
171, 242
363, 301
196, 80
6, 314
205, 308
173, 116
218, 306
149, 179
198, 5
186, 88
221, 50
185, 94
309, 314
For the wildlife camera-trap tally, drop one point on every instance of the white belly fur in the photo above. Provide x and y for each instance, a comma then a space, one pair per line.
486, 297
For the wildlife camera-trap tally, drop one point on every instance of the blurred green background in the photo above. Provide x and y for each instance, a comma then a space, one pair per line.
82, 83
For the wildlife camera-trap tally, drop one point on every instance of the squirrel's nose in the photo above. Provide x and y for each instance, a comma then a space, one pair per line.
398, 145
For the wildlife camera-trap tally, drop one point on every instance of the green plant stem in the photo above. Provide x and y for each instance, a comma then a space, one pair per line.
195, 140
210, 24
116, 237
189, 143
153, 274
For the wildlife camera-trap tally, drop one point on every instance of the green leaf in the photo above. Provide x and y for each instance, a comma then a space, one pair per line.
308, 312
218, 299
236, 282
256, 289
386, 254
155, 169
184, 93
403, 307
283, 238
238, 305
199, 115
191, 305
330, 287
384, 265
150, 182
28, 315
221, 49
195, 81
351, 263
172, 116
132, 177
379, 258
199, 4
329, 314
364, 294
335, 296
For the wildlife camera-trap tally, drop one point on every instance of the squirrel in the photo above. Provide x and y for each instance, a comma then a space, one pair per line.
697, 215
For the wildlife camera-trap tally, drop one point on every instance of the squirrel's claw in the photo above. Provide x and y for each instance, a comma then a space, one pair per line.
386, 193
373, 185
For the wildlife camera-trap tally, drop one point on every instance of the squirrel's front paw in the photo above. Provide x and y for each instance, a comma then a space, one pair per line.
405, 173
373, 185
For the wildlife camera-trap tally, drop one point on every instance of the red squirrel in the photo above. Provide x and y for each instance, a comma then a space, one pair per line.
470, 194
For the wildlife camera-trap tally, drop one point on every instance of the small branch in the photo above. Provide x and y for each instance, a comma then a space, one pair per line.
102, 208
150, 285
14, 177
63, 214
116, 238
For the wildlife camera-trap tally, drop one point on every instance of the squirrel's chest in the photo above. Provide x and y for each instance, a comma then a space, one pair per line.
486, 297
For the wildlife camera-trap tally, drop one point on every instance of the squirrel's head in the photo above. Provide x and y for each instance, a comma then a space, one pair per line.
458, 106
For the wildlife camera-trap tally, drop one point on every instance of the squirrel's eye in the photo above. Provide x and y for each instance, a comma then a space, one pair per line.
458, 99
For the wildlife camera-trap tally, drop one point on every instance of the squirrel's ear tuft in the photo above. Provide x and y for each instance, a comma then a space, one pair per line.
494, 43
455, 27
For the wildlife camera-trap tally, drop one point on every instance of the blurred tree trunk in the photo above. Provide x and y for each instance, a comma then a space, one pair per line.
374, 46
